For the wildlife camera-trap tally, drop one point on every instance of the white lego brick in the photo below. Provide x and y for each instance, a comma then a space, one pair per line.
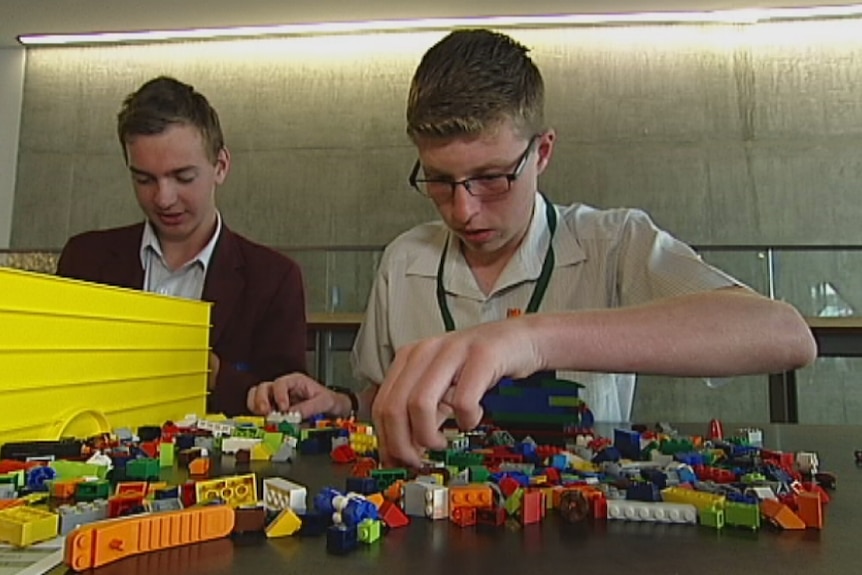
437, 502
230, 445
279, 493
652, 512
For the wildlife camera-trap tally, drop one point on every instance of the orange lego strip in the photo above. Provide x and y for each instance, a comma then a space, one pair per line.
104, 542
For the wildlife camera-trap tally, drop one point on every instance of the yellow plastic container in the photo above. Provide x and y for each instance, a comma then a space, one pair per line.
78, 358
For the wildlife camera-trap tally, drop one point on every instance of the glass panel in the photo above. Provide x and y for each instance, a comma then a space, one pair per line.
819, 280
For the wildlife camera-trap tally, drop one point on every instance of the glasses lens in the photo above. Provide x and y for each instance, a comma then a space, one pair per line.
490, 186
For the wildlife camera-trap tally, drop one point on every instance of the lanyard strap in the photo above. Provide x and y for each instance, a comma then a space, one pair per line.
541, 284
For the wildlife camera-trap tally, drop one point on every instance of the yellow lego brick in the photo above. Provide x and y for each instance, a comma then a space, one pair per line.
261, 452
24, 526
287, 523
234, 491
699, 499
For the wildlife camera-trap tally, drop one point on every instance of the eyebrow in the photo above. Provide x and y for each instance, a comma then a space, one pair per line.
492, 167
139, 172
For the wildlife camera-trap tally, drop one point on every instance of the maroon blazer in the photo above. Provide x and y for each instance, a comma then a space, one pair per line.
258, 317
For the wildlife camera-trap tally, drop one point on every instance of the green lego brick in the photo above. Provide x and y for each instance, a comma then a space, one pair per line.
513, 502
273, 440
166, 454
564, 401
368, 530
75, 469
711, 517
92, 490
479, 473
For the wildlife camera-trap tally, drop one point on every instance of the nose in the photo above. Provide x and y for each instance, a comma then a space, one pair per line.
166, 194
464, 204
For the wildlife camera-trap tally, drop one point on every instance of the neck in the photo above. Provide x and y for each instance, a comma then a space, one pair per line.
488, 267
179, 253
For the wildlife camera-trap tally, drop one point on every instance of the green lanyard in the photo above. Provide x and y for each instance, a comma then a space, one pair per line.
541, 284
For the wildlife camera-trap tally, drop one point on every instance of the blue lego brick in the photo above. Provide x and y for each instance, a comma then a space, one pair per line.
314, 524
361, 485
628, 443
323, 500
341, 540
607, 454
643, 492
358, 510
38, 476
655, 476
690, 458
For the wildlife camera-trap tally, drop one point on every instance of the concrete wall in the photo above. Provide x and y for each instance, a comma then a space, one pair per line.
725, 134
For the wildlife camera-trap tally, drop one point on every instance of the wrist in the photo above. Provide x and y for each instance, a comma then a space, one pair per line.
347, 403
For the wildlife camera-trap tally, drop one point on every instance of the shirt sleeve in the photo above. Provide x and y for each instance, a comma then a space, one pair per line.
652, 264
373, 351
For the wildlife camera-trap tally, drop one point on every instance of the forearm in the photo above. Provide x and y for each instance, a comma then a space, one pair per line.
720, 333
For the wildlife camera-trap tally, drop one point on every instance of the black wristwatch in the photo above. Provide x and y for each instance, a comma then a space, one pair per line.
354, 399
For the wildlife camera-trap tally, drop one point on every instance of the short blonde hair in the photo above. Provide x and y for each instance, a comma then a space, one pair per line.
164, 102
472, 80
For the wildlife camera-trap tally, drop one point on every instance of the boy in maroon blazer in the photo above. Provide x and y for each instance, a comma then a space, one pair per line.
174, 148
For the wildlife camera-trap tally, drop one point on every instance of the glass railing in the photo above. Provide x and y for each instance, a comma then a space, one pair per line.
821, 281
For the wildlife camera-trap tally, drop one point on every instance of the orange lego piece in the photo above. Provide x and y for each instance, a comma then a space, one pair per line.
781, 514
376, 499
199, 466
475, 495
8, 503
810, 509
64, 488
101, 543
395, 491
137, 488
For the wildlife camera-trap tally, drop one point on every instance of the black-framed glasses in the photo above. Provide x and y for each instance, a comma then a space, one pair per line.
483, 186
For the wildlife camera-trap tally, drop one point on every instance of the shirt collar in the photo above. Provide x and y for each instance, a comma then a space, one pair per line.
567, 250
150, 244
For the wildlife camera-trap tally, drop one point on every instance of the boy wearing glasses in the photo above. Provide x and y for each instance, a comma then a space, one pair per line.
508, 284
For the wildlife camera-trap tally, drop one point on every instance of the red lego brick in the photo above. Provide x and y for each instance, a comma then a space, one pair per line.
392, 515
532, 507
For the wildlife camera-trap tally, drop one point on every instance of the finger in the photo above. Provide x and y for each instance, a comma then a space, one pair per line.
262, 404
316, 404
476, 378
280, 393
251, 400
434, 378
384, 414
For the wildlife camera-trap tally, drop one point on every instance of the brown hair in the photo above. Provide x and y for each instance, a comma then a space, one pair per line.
163, 102
471, 80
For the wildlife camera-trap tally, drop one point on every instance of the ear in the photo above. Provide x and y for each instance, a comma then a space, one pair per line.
545, 149
222, 165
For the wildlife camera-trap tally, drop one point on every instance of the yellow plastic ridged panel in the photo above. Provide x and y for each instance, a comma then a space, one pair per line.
24, 526
80, 358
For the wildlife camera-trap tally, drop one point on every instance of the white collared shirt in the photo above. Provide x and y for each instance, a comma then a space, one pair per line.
603, 259
187, 281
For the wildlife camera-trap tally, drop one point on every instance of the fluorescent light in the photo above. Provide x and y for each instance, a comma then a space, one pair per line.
746, 16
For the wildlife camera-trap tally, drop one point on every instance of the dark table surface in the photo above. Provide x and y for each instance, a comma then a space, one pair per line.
439, 547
